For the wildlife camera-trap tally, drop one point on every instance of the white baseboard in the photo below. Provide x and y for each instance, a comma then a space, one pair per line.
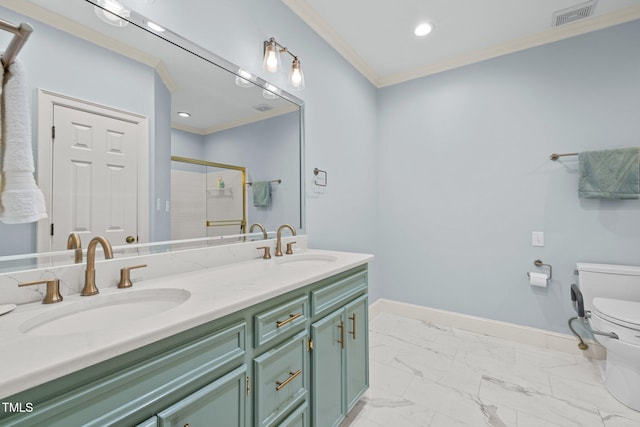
494, 328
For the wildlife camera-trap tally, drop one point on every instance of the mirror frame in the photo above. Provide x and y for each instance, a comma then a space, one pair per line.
180, 42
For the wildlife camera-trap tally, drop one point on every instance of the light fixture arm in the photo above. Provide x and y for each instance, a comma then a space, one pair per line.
283, 49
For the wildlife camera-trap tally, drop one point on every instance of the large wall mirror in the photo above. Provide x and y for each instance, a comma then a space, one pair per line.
119, 89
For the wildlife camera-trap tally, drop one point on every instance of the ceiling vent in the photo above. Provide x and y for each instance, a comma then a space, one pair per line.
263, 107
574, 13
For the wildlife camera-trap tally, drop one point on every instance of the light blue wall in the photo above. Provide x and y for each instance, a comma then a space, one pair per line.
465, 177
340, 123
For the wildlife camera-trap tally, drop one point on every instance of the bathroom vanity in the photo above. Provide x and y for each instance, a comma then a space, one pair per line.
261, 342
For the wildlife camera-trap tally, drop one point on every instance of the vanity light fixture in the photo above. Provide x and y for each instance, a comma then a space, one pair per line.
423, 29
244, 79
271, 62
184, 114
112, 12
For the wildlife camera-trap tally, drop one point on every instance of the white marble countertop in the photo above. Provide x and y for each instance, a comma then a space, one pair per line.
37, 356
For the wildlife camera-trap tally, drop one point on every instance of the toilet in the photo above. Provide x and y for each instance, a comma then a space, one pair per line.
611, 295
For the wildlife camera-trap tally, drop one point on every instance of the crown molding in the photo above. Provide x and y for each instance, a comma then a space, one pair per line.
322, 27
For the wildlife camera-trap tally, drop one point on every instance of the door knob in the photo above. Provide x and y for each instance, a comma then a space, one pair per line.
130, 239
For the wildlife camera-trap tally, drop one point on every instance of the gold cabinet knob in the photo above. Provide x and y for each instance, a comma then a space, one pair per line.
130, 239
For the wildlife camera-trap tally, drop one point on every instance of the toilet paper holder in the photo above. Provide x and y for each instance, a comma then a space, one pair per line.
539, 263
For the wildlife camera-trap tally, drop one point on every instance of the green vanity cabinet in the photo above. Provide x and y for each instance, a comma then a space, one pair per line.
277, 363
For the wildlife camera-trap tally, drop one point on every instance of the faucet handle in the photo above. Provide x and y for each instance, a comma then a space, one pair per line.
267, 252
289, 251
125, 276
53, 290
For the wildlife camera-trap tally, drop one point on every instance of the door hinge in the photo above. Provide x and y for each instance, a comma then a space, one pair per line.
53, 132
248, 386
52, 229
309, 344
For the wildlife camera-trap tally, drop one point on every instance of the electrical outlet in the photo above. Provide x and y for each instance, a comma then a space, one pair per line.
537, 238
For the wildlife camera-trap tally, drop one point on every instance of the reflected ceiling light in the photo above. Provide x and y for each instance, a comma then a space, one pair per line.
112, 12
423, 29
269, 92
184, 114
243, 79
271, 62
155, 27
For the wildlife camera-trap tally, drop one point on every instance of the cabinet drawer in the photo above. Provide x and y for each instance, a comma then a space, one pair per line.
281, 379
222, 401
284, 318
330, 296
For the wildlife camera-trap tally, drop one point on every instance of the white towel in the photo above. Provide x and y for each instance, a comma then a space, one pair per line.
21, 201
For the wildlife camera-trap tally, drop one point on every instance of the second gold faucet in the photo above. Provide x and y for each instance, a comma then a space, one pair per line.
90, 287
279, 239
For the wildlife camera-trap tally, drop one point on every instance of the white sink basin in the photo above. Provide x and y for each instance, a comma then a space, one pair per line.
305, 260
104, 311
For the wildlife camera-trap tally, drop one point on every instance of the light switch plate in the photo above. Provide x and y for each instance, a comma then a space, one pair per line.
537, 238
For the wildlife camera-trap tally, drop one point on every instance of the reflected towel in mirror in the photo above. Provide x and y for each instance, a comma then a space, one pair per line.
261, 193
21, 201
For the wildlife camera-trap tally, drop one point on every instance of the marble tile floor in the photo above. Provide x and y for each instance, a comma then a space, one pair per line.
422, 374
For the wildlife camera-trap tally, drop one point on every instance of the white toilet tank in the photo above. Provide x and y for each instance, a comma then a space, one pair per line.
608, 281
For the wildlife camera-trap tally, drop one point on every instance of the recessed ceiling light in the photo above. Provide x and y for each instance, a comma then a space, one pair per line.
155, 27
422, 29
184, 114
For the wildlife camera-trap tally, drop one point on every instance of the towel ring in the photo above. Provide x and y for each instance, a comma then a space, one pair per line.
323, 182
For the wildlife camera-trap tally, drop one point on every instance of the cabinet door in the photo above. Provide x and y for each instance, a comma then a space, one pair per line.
222, 403
357, 351
326, 370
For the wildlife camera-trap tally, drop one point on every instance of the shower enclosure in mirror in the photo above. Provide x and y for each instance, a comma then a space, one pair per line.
207, 199
151, 76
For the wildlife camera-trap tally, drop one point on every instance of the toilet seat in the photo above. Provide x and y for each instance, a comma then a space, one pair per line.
620, 312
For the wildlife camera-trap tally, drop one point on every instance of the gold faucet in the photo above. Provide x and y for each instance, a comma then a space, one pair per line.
73, 242
90, 275
261, 227
279, 239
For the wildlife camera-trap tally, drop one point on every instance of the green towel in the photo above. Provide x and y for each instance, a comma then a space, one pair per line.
261, 193
610, 174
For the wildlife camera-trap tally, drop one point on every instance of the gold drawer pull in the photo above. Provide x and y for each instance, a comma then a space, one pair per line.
341, 340
291, 318
353, 319
292, 376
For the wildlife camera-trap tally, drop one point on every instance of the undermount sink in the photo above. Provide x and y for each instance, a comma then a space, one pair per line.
306, 260
104, 311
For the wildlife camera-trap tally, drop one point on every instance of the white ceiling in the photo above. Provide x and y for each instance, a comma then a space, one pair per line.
376, 36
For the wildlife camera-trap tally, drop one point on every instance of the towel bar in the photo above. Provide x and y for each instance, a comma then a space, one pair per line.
556, 156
